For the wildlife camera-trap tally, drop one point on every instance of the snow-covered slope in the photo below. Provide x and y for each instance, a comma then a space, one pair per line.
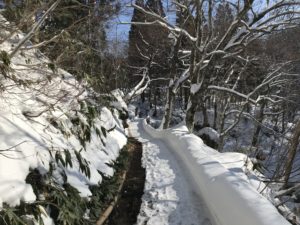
50, 122
230, 196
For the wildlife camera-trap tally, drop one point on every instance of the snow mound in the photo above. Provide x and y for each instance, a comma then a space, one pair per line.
230, 197
210, 132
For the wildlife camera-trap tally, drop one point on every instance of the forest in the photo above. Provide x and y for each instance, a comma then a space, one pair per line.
191, 102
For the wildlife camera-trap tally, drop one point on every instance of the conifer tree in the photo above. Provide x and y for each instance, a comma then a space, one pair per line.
157, 37
224, 17
146, 41
135, 38
149, 45
156, 7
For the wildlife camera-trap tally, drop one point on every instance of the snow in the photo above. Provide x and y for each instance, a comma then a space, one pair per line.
228, 194
119, 103
186, 181
36, 123
15, 163
139, 88
47, 220
210, 132
195, 88
168, 198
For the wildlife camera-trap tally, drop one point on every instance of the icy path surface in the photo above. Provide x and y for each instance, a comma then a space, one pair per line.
169, 197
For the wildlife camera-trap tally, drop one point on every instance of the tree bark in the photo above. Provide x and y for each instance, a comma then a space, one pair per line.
215, 114
222, 123
191, 110
143, 97
155, 104
149, 98
291, 154
186, 97
259, 119
283, 122
171, 90
205, 116
169, 108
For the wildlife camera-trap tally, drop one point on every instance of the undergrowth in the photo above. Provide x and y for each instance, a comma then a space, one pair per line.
63, 202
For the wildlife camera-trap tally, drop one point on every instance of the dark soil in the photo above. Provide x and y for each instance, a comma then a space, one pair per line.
129, 201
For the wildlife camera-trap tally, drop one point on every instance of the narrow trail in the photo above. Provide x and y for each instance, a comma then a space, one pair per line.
129, 202
175, 185
169, 198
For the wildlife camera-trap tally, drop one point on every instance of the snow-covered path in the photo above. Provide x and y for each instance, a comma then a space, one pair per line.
169, 197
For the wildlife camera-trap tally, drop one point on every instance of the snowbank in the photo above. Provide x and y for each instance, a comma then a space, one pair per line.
230, 198
29, 143
168, 197
50, 122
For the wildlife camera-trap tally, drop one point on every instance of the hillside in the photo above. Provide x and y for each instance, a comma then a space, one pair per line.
55, 136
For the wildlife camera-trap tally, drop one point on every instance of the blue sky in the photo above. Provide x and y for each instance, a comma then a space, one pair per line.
119, 32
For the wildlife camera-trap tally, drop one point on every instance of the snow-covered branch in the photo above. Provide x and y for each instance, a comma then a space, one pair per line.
139, 88
35, 28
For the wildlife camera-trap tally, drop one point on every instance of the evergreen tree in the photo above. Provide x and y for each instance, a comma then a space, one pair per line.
156, 7
158, 42
136, 43
148, 45
146, 41
224, 18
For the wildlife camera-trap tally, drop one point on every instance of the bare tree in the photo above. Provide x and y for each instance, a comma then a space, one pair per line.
208, 51
294, 142
34, 28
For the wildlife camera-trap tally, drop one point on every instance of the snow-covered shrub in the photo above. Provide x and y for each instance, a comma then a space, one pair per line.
60, 143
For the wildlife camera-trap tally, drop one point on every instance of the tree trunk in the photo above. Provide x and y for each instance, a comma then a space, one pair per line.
143, 97
215, 114
186, 97
191, 110
155, 104
259, 118
291, 154
205, 117
149, 98
283, 122
169, 108
181, 96
222, 123
34, 29
171, 91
